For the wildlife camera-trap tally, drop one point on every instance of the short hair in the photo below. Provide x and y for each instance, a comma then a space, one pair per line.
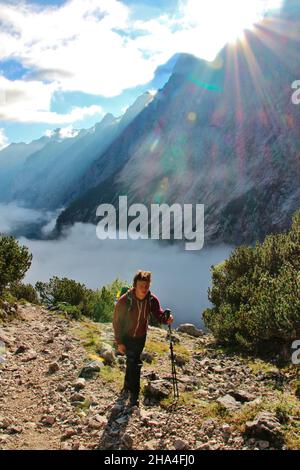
142, 276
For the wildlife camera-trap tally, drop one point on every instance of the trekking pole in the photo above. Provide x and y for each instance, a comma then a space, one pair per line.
174, 376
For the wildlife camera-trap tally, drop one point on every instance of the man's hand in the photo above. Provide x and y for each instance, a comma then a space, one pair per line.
168, 316
121, 348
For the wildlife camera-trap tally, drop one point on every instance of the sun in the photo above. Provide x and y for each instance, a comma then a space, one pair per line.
226, 20
244, 15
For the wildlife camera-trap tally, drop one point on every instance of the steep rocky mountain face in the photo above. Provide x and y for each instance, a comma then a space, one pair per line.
12, 158
223, 134
95, 173
49, 176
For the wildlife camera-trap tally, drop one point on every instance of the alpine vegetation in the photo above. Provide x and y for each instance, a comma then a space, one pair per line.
255, 295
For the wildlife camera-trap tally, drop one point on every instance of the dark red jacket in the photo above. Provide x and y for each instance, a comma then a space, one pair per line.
133, 321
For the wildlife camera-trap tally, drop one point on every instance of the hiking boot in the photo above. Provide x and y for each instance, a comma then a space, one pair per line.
124, 394
134, 400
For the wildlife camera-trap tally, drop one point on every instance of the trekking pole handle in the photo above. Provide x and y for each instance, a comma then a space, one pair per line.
167, 313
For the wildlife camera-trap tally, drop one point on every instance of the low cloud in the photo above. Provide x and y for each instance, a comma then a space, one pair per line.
30, 101
15, 218
180, 279
64, 133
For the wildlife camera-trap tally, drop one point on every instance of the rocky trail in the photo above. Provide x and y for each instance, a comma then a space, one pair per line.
60, 385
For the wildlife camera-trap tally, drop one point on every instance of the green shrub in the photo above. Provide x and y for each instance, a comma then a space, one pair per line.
7, 296
72, 311
256, 294
25, 292
102, 303
76, 299
63, 290
15, 260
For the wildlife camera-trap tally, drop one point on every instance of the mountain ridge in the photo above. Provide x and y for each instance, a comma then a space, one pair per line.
50, 174
224, 134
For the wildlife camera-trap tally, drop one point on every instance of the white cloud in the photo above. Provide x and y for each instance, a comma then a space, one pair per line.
76, 45
30, 101
65, 132
217, 21
68, 132
201, 27
94, 46
3, 139
71, 48
14, 217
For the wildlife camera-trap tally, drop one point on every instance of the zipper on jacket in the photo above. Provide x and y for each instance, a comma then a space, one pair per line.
140, 311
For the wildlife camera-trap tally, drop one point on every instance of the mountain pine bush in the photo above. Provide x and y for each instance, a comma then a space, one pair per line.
76, 299
24, 292
15, 260
256, 294
103, 301
62, 290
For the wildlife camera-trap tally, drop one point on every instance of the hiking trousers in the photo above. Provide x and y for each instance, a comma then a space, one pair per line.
134, 348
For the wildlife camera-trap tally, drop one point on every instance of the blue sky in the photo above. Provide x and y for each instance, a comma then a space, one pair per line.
67, 63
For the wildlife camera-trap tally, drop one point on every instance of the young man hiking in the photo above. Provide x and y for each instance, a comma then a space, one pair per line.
131, 318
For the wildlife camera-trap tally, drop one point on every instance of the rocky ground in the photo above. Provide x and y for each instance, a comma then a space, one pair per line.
60, 384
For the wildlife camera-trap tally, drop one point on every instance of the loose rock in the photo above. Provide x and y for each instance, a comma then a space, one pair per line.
190, 329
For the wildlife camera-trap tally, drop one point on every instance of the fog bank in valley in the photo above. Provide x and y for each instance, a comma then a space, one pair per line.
180, 278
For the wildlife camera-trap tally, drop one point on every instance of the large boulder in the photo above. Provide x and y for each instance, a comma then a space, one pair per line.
175, 338
8, 309
180, 360
190, 329
21, 349
107, 353
90, 369
53, 368
242, 396
2, 352
79, 384
30, 355
7, 340
147, 357
229, 403
77, 397
158, 389
265, 426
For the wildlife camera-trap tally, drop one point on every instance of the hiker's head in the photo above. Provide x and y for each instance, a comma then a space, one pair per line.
141, 283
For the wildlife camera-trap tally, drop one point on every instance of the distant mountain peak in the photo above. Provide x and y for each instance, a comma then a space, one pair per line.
139, 104
108, 120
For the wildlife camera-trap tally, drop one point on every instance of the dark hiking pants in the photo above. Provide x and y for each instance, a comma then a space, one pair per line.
134, 348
